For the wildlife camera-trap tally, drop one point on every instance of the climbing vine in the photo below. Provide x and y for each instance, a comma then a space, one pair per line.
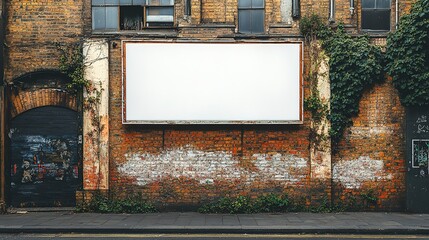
354, 64
408, 56
72, 63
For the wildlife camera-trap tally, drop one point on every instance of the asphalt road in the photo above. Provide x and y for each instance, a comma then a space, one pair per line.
202, 236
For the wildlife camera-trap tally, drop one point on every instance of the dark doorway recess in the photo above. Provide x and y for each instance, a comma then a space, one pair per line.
418, 159
45, 168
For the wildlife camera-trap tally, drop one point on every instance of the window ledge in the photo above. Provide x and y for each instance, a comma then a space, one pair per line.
281, 25
262, 36
171, 33
208, 26
374, 33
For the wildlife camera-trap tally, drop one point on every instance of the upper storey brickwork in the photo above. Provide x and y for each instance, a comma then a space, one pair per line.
34, 28
33, 31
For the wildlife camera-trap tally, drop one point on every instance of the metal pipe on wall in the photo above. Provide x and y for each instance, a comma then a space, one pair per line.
396, 14
352, 7
332, 10
296, 8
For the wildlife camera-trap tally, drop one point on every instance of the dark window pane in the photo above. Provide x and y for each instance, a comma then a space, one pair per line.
112, 18
97, 2
257, 3
159, 24
244, 3
257, 21
244, 21
385, 4
368, 3
98, 18
376, 19
131, 17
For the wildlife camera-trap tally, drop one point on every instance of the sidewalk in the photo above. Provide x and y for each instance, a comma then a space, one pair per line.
190, 222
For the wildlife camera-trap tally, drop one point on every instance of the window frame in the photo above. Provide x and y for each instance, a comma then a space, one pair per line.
251, 9
145, 5
374, 10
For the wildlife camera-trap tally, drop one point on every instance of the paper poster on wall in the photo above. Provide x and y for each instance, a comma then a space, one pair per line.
212, 83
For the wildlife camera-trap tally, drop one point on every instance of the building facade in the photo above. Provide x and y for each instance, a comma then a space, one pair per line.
58, 146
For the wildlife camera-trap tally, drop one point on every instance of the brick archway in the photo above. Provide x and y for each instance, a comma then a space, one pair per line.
26, 100
39, 89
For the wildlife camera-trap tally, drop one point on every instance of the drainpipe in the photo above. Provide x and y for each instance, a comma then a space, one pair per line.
332, 11
352, 7
397, 14
2, 108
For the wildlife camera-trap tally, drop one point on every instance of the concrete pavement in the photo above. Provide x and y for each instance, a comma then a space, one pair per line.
190, 222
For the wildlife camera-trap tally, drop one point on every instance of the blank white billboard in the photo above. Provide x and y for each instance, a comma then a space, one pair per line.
210, 83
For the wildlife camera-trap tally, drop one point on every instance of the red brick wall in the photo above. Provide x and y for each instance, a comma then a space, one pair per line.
371, 157
186, 165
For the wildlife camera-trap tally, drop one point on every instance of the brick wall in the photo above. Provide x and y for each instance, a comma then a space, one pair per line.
33, 29
182, 166
371, 157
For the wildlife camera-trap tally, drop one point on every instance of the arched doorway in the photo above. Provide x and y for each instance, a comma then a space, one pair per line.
44, 159
44, 141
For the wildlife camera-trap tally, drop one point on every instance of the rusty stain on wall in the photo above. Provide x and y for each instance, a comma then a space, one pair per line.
209, 166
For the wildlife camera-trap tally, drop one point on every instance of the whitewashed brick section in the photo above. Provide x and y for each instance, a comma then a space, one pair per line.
280, 167
353, 173
209, 166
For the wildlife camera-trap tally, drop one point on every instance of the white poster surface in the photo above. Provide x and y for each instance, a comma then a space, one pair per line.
209, 83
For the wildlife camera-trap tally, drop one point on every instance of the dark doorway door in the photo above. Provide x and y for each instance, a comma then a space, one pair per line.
44, 162
418, 158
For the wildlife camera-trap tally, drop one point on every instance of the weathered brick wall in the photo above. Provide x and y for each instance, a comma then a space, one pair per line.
33, 29
22, 101
371, 157
186, 165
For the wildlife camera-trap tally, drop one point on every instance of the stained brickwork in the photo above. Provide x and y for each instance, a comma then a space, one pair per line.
371, 157
183, 166
34, 28
26, 100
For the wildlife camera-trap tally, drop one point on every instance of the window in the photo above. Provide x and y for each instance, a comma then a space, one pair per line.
376, 15
111, 15
251, 16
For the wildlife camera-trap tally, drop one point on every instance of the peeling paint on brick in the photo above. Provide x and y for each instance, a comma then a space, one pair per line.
210, 166
353, 173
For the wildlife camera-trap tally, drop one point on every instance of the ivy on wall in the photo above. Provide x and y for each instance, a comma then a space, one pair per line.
73, 64
354, 64
407, 56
